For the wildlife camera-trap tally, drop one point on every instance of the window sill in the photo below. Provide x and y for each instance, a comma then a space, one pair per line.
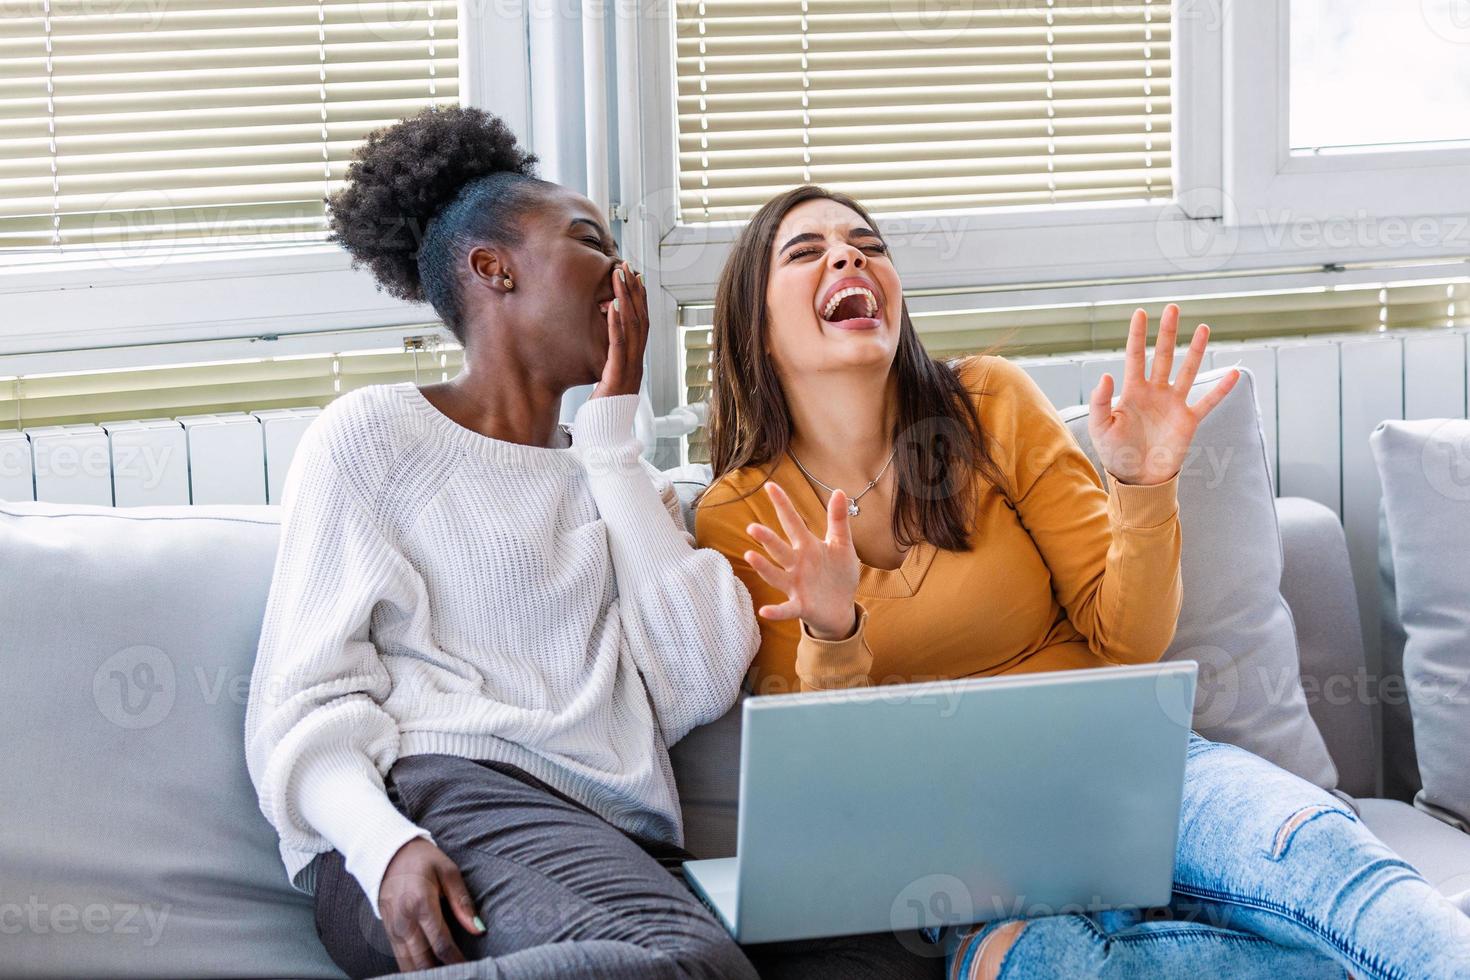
89, 302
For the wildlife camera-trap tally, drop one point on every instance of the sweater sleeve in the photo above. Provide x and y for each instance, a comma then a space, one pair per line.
687, 618
1113, 555
318, 740
787, 649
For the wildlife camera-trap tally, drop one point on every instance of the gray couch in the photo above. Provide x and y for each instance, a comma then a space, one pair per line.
131, 844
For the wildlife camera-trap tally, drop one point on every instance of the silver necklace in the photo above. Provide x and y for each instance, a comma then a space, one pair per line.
852, 502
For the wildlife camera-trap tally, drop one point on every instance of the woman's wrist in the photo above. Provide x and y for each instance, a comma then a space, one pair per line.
605, 422
1141, 481
1143, 505
835, 630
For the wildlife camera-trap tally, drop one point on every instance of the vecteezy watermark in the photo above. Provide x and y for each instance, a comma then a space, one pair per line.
940, 22
138, 687
1200, 234
1446, 459
928, 903
1217, 689
144, 230
145, 15
39, 917
1203, 232
924, 902
1449, 19
135, 687
64, 459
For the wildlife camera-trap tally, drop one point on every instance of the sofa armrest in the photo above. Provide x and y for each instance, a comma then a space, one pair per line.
1317, 583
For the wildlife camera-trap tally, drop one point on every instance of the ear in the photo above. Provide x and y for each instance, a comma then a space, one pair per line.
487, 267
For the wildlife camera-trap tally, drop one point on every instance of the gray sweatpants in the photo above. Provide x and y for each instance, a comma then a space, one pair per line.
563, 893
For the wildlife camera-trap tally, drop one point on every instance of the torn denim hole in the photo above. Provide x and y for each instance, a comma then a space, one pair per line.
1287, 831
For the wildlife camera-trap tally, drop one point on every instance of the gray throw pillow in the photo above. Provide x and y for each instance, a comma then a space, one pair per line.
132, 844
1425, 469
1234, 621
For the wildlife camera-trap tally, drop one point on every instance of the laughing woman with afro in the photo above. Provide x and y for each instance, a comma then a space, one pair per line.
485, 629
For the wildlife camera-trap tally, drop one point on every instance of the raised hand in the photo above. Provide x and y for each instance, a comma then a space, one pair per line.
1144, 438
627, 335
818, 575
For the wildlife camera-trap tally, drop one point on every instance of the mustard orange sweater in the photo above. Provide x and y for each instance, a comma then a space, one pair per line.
1061, 573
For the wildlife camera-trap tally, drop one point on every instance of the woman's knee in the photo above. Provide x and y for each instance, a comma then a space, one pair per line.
983, 950
990, 958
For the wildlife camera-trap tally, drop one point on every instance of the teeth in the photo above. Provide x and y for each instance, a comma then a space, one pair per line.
851, 291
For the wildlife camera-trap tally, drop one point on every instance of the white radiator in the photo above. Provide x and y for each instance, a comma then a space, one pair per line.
1320, 398
228, 458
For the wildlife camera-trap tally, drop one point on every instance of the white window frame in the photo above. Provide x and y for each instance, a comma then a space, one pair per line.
1265, 177
992, 231
93, 299
1225, 220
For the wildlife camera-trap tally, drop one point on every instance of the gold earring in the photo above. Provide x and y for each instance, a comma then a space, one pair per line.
509, 282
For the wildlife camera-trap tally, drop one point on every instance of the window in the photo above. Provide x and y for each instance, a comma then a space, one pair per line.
201, 120
1366, 73
1041, 153
1349, 111
909, 107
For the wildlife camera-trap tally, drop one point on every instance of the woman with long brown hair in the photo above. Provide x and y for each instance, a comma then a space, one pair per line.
939, 521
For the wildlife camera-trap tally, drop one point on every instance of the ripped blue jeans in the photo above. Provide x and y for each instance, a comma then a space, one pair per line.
1274, 878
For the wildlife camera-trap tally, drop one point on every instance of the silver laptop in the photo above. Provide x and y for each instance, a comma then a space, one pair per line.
920, 805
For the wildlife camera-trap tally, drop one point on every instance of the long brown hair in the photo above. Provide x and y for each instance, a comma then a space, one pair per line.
942, 447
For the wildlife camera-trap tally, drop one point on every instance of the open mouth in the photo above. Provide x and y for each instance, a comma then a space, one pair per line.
851, 303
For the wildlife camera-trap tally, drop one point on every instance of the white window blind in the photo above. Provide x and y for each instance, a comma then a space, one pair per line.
208, 120
1053, 329
908, 105
221, 386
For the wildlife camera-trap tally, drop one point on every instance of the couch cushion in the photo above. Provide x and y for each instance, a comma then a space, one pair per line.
1441, 853
1425, 470
1234, 622
126, 641
1317, 583
133, 843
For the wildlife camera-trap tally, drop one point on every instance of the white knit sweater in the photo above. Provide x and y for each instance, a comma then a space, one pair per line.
440, 591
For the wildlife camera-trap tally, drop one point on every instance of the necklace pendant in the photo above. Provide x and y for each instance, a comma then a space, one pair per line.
852, 508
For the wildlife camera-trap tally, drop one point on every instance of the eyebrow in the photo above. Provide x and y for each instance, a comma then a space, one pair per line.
589, 223
811, 236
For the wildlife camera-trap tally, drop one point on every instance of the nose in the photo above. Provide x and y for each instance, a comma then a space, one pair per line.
847, 257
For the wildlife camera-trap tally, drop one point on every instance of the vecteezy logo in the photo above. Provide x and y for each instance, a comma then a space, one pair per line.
1201, 233
940, 898
1446, 460
134, 688
1217, 692
1449, 19
932, 21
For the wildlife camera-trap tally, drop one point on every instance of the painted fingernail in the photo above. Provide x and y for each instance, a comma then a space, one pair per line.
623, 276
615, 304
479, 924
